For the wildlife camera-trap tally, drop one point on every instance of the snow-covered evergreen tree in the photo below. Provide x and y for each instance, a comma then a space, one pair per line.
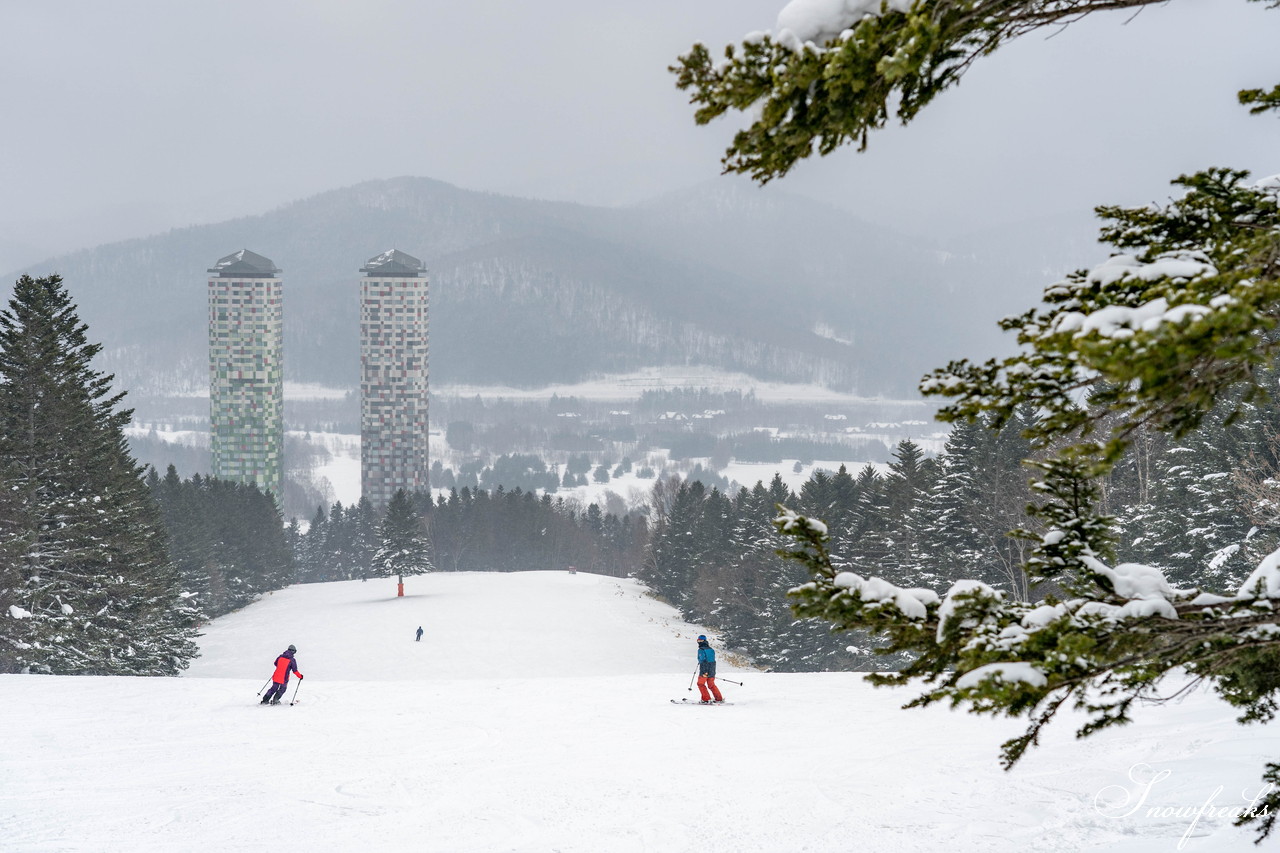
674, 550
1208, 518
93, 591
311, 553
403, 548
980, 495
910, 478
1196, 527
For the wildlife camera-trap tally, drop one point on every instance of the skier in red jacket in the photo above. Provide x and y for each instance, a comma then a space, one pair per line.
285, 664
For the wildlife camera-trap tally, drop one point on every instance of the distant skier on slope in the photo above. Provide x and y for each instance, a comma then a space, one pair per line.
707, 671
285, 664
419, 637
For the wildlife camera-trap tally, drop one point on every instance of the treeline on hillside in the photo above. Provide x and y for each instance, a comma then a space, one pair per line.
925, 520
226, 540
757, 446
301, 457
1207, 506
527, 472
478, 530
715, 556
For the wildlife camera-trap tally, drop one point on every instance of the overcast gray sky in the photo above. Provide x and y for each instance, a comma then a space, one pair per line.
126, 118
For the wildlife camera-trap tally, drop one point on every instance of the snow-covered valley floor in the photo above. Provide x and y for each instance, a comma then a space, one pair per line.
534, 716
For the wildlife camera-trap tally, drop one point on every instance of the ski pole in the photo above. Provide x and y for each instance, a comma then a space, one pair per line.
731, 681
295, 692
263, 687
693, 678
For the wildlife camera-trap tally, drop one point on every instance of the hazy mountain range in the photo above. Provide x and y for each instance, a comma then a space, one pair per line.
527, 292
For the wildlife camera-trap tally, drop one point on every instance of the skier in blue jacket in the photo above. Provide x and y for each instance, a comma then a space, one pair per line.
707, 671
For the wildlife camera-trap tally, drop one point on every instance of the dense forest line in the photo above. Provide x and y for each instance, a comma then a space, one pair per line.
227, 540
478, 530
1205, 505
1205, 508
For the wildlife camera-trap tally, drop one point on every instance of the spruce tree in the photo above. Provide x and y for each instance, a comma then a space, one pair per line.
91, 589
404, 549
675, 550
980, 495
340, 543
365, 538
310, 552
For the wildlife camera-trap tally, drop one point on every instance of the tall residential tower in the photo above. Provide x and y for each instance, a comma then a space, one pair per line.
246, 378
393, 376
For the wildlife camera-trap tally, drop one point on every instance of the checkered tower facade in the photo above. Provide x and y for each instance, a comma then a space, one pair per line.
393, 377
246, 376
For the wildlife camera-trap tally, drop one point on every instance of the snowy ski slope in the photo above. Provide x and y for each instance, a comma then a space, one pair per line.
534, 716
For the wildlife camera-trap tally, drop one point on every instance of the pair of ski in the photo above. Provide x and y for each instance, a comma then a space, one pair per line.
696, 702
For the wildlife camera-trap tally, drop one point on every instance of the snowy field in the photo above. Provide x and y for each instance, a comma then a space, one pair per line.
629, 386
623, 386
340, 474
534, 716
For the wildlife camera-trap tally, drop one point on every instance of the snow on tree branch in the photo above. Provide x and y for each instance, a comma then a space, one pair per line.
1099, 651
834, 70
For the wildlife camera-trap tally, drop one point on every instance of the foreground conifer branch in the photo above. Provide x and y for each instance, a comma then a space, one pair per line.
1183, 317
1181, 322
1114, 639
834, 72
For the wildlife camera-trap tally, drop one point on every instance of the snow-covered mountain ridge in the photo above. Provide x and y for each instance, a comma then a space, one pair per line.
533, 716
529, 292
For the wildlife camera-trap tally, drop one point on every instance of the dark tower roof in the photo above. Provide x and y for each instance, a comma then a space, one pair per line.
394, 262
245, 264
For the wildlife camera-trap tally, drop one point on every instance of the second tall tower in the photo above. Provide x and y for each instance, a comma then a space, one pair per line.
393, 376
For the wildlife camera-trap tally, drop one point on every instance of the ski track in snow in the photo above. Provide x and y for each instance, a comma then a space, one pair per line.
533, 716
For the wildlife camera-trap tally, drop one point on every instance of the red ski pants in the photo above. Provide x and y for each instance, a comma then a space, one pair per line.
705, 682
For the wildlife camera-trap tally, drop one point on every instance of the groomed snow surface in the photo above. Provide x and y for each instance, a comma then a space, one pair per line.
534, 716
